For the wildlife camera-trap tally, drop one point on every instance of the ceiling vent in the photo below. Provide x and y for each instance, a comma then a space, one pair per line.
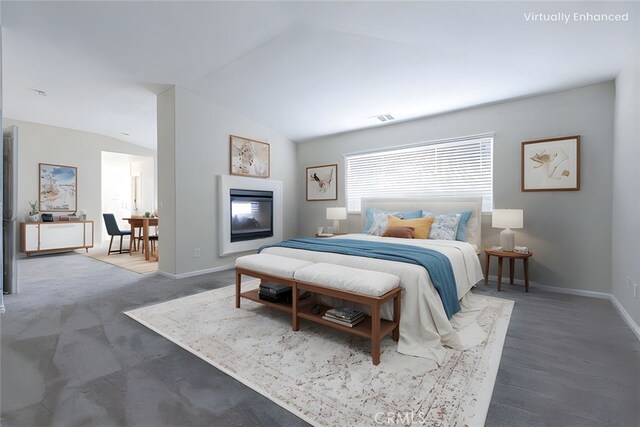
40, 92
383, 117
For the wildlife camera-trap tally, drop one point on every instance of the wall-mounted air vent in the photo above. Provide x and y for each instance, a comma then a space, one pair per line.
383, 117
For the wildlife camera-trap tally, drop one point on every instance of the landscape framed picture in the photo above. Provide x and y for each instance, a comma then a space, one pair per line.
551, 164
249, 157
322, 182
58, 188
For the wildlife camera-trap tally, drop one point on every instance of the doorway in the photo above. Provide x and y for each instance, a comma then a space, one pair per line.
128, 187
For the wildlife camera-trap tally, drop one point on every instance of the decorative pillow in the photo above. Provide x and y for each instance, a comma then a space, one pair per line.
445, 227
462, 225
400, 232
461, 233
472, 227
376, 220
421, 225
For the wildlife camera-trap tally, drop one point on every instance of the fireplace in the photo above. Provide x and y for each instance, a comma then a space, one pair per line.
251, 214
257, 204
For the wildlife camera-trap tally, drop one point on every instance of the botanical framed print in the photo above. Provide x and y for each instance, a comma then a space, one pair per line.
58, 188
322, 182
551, 164
249, 157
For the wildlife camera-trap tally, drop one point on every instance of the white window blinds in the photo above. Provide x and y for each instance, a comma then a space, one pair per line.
461, 167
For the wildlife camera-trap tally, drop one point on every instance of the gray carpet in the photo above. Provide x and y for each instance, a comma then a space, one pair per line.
70, 357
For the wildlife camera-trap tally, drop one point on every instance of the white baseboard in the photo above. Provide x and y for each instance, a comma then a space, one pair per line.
580, 292
626, 316
197, 272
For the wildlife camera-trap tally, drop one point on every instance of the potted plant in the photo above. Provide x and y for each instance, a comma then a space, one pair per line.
32, 215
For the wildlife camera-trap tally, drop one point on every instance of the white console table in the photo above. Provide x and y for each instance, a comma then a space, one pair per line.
55, 236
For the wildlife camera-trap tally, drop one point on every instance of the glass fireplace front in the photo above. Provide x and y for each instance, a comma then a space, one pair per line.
251, 214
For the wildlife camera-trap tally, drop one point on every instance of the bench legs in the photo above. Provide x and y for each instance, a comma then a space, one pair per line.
295, 296
396, 317
375, 303
375, 332
238, 278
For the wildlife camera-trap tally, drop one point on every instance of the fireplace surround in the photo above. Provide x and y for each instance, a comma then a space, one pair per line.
249, 214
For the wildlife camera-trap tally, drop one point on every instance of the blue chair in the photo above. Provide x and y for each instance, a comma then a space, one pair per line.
114, 230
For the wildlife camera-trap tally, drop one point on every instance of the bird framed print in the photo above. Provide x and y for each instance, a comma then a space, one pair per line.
322, 182
551, 164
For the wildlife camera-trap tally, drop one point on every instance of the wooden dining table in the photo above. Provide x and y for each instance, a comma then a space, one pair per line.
144, 223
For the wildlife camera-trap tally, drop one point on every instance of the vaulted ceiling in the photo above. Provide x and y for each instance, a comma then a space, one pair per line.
305, 69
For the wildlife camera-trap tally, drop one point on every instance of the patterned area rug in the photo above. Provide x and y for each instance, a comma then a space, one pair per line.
326, 377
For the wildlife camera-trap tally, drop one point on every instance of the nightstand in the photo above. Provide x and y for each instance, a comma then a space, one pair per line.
332, 235
513, 256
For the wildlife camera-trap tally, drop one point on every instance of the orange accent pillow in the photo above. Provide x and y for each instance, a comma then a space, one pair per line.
400, 232
421, 226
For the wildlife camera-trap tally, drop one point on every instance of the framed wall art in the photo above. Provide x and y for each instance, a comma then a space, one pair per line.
551, 164
58, 188
249, 157
322, 182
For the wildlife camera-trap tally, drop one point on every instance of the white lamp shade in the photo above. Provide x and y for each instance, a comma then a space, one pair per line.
507, 218
336, 213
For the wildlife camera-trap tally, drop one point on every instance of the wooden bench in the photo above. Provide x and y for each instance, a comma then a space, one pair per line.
349, 284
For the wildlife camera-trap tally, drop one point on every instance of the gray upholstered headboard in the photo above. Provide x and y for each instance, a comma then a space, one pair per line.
438, 205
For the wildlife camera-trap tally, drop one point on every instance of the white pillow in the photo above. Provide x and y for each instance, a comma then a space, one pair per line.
379, 224
472, 230
445, 227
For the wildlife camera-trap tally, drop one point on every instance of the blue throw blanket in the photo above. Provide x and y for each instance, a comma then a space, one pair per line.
437, 264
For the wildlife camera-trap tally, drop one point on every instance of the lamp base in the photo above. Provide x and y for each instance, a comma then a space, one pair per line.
507, 240
336, 225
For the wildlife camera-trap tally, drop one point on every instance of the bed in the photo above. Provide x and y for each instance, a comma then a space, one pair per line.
425, 329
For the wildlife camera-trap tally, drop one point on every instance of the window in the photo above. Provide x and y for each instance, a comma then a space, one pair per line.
456, 167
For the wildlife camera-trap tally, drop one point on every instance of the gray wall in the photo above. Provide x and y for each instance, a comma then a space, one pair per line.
39, 143
193, 149
569, 232
626, 195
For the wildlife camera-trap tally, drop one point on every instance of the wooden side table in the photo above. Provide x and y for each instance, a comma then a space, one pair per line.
513, 256
332, 235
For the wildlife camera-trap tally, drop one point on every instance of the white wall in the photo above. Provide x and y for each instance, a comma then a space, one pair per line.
49, 144
117, 198
196, 146
116, 188
626, 195
568, 232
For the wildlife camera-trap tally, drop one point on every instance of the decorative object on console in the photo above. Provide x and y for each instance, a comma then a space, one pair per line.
322, 182
58, 188
32, 215
551, 164
336, 214
507, 219
249, 157
47, 217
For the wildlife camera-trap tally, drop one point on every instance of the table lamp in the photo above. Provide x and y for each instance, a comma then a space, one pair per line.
336, 214
507, 219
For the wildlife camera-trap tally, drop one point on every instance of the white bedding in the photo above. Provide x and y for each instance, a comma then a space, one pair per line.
424, 327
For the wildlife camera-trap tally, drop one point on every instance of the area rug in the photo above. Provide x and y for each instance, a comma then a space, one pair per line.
325, 376
134, 262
